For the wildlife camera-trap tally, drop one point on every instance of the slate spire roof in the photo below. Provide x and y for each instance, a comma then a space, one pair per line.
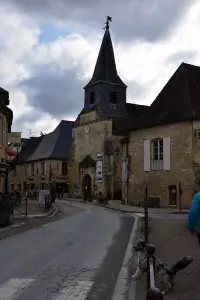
179, 100
56, 144
27, 149
105, 69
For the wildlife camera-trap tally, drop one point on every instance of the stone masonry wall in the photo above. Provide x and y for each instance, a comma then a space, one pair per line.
158, 181
23, 174
84, 144
3, 144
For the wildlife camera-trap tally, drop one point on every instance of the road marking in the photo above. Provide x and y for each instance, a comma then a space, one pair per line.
11, 287
74, 290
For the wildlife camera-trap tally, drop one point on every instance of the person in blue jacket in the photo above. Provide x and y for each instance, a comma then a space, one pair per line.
194, 215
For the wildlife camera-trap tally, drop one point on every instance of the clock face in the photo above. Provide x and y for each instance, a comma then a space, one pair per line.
87, 129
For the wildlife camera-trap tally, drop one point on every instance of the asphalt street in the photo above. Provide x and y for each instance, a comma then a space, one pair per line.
75, 256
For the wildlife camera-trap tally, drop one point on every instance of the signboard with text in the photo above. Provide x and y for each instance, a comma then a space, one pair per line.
99, 168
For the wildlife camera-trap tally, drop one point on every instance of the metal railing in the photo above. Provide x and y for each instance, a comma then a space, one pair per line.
153, 293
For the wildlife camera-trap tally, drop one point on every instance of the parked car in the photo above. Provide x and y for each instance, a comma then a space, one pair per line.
6, 205
6, 210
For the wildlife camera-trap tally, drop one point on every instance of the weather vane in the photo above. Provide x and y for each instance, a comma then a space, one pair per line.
109, 19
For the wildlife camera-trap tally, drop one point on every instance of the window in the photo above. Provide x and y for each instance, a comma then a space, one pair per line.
43, 168
32, 169
92, 97
64, 168
157, 155
113, 97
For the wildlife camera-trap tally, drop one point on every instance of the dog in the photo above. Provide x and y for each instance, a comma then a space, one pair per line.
164, 271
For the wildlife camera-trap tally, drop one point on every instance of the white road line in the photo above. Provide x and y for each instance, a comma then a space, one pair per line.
10, 288
74, 290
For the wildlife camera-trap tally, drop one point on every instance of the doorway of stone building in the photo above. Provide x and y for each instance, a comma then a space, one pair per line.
87, 188
172, 194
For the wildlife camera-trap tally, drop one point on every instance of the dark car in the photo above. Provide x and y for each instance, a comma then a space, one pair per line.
6, 210
6, 205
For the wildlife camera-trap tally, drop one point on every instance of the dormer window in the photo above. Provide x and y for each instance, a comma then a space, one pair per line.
113, 97
92, 97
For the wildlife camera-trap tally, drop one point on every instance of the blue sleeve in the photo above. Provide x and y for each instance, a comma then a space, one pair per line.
191, 219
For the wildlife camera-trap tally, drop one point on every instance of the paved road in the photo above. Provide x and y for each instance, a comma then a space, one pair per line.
75, 257
22, 225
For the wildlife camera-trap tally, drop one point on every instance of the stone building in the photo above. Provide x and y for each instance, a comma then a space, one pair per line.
43, 160
117, 147
6, 118
99, 128
165, 143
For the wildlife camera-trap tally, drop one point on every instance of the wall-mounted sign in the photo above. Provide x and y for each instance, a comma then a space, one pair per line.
87, 129
124, 169
14, 145
99, 168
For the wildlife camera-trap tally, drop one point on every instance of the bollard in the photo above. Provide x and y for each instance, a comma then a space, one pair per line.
146, 217
26, 206
154, 294
150, 265
146, 230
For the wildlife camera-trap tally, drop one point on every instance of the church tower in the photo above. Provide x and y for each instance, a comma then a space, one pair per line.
106, 91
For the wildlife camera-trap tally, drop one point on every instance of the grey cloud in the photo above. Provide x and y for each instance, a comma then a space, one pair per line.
55, 93
29, 117
134, 88
181, 56
133, 19
61, 95
135, 91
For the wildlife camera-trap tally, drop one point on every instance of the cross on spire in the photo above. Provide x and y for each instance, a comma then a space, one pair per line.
109, 19
105, 69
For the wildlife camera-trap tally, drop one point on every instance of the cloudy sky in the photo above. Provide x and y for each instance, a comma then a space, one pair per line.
49, 48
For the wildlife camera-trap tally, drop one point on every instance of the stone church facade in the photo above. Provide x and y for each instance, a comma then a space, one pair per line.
99, 129
118, 147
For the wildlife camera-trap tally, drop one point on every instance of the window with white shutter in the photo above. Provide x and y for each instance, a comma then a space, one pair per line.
147, 152
167, 153
157, 155
160, 154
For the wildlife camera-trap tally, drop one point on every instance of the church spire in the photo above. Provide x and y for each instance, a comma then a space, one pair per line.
105, 69
109, 19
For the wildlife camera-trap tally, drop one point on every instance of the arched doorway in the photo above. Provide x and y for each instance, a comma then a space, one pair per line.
87, 188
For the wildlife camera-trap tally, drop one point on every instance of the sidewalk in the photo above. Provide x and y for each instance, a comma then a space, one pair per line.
187, 281
116, 205
33, 210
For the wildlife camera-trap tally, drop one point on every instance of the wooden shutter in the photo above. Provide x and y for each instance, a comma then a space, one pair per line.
147, 153
166, 153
